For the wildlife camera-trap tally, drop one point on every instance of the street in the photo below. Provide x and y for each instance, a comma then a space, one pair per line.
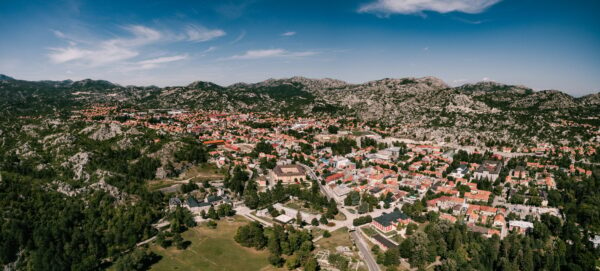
354, 235
364, 251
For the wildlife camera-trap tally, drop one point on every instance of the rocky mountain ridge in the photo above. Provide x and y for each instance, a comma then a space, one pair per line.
408, 101
321, 88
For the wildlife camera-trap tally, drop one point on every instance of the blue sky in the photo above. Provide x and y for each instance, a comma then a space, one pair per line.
541, 44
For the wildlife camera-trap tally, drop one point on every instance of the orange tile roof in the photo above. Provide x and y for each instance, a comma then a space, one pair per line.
334, 177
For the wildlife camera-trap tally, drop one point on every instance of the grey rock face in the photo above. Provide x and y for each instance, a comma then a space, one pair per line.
77, 163
107, 132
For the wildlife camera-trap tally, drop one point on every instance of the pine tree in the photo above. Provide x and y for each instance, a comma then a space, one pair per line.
178, 241
212, 214
299, 218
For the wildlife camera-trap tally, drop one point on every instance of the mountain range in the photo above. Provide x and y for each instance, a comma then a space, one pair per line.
415, 106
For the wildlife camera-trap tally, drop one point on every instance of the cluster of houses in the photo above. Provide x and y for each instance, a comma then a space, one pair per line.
197, 206
401, 170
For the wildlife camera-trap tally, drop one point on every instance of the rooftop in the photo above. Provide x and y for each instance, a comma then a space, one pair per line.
384, 241
387, 219
493, 167
520, 224
192, 202
289, 170
284, 218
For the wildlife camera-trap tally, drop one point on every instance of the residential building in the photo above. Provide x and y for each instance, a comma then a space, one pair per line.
520, 226
388, 222
288, 173
488, 170
460, 172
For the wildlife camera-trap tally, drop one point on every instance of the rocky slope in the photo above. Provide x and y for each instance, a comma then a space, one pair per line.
414, 105
390, 100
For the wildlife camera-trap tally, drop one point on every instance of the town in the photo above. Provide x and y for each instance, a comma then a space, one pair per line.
265, 135
375, 188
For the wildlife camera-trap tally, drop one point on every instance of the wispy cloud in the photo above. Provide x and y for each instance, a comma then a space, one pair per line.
240, 37
155, 62
59, 34
201, 34
142, 35
126, 47
271, 53
387, 7
469, 21
233, 10
289, 34
107, 51
210, 49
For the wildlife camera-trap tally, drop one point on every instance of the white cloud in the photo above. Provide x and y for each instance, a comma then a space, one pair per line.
141, 36
155, 62
59, 34
107, 51
104, 54
469, 21
387, 7
271, 53
288, 34
210, 49
60, 55
254, 54
239, 37
201, 34
124, 48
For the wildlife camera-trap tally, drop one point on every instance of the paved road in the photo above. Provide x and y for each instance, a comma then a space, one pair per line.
146, 241
357, 237
246, 212
364, 251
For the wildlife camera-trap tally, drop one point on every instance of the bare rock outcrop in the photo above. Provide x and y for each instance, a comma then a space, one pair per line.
77, 163
107, 132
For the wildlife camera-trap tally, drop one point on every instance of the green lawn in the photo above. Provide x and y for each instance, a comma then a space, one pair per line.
159, 184
298, 206
203, 172
213, 250
196, 174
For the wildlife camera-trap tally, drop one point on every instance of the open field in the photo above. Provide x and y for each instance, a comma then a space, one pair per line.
212, 250
203, 172
194, 174
160, 184
338, 237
